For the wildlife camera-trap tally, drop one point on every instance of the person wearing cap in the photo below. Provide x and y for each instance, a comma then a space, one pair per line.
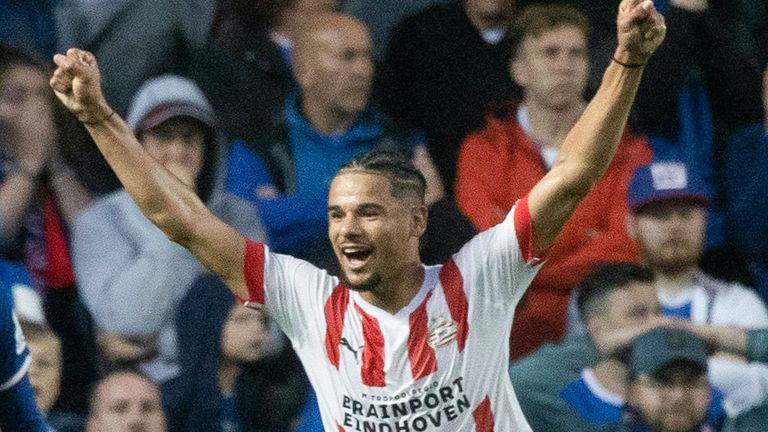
580, 384
668, 389
130, 274
668, 220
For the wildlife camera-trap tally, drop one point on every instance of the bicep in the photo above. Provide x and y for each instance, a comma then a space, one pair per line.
220, 249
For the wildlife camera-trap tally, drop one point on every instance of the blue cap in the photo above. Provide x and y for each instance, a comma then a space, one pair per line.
665, 181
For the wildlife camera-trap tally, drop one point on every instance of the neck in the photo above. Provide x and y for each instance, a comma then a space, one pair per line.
394, 295
228, 372
549, 126
675, 283
326, 120
612, 375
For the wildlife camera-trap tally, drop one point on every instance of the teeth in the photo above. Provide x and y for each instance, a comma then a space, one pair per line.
352, 250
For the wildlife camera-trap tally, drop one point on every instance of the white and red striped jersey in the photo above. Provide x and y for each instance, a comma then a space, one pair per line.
439, 364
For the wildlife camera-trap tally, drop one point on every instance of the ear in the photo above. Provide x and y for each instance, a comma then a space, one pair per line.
419, 214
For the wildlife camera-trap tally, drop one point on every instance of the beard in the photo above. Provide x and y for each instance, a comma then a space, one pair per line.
366, 286
673, 257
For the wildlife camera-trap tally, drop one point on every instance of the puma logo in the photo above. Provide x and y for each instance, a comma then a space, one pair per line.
345, 343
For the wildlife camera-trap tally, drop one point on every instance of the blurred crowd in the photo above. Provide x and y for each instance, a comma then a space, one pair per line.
649, 313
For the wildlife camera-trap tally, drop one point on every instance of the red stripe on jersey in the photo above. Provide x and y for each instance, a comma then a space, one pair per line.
453, 287
341, 429
372, 371
524, 228
253, 268
483, 416
421, 355
335, 309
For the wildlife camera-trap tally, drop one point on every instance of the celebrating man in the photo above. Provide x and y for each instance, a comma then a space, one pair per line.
395, 344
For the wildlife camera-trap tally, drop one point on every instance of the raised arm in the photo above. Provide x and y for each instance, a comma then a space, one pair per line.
589, 147
161, 196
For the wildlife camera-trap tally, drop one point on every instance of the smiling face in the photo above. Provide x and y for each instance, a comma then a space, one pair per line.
374, 234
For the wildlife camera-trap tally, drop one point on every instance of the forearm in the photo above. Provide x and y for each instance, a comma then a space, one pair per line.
161, 196
589, 148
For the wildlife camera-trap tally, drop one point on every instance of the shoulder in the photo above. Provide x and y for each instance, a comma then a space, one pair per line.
498, 129
734, 296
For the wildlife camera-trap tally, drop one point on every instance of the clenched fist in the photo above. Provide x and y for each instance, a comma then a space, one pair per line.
77, 83
640, 30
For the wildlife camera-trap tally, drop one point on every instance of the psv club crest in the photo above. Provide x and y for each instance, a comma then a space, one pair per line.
441, 332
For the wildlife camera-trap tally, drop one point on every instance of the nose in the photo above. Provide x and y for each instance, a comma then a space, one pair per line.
349, 227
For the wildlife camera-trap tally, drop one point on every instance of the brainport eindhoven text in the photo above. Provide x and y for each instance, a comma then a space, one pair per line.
418, 409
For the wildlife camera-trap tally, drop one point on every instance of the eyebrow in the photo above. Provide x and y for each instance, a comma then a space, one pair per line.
364, 206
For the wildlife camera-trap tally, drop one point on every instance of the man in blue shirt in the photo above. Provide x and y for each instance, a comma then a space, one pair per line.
18, 411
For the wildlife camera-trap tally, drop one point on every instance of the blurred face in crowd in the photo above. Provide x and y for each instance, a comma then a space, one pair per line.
374, 234
675, 399
486, 14
670, 235
126, 402
45, 369
178, 144
552, 67
631, 306
334, 66
243, 335
25, 103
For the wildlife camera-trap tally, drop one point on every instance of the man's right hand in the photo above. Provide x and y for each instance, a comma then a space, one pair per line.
77, 83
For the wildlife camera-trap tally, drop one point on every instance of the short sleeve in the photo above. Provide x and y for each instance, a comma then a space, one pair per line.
498, 263
291, 290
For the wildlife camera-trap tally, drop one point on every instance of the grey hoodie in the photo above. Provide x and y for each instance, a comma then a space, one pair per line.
130, 275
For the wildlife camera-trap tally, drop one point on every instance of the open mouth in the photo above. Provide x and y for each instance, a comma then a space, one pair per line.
357, 256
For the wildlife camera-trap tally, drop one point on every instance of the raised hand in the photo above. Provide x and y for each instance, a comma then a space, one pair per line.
77, 84
640, 30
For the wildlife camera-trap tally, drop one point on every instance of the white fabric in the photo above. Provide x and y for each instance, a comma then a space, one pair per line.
495, 276
744, 384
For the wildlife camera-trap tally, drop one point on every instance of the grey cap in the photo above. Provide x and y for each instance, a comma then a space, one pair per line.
661, 346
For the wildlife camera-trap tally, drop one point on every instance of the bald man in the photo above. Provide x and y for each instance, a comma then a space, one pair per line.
326, 124
126, 401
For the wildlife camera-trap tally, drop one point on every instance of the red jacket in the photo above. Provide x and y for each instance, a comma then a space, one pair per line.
499, 165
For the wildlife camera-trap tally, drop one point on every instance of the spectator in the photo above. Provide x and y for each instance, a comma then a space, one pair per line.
18, 411
668, 219
444, 68
126, 401
500, 164
40, 197
45, 352
135, 40
745, 183
134, 298
251, 44
325, 126
668, 389
237, 373
580, 384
